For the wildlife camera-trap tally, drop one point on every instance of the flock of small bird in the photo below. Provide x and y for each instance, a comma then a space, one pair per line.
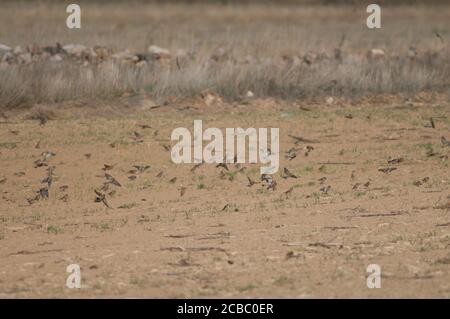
111, 184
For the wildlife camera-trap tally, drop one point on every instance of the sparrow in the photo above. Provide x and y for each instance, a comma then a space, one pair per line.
268, 182
141, 168
107, 167
308, 148
445, 142
112, 180
182, 191
287, 174
325, 189
166, 147
224, 165
387, 170
393, 161
101, 198
250, 182
43, 193
288, 192
196, 166
290, 154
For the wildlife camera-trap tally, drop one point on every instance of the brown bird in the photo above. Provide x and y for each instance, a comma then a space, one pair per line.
268, 182
107, 167
387, 170
101, 198
393, 161
88, 155
141, 168
250, 182
43, 193
445, 142
288, 192
182, 191
132, 177
290, 154
159, 174
325, 189
288, 174
224, 165
112, 180
173, 180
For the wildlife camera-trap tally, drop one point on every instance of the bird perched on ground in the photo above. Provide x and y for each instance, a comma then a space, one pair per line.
288, 174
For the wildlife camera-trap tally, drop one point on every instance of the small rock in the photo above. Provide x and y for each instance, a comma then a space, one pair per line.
158, 53
376, 54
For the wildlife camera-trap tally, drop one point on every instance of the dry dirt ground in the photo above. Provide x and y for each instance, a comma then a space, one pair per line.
223, 238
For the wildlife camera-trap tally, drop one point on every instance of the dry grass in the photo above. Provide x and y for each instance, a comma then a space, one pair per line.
260, 41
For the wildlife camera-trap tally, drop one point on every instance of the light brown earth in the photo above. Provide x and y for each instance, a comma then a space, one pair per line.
223, 238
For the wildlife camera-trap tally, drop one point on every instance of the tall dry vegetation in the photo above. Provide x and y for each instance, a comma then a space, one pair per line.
280, 51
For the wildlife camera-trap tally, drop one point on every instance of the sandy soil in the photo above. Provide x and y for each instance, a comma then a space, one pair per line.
223, 238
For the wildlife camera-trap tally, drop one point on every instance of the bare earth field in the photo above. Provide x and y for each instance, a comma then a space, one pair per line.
222, 237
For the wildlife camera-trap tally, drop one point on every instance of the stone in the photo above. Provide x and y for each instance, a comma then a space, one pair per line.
75, 49
157, 52
4, 48
376, 54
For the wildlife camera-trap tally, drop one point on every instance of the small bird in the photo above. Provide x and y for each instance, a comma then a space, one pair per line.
322, 180
166, 147
196, 166
160, 174
88, 155
182, 191
63, 188
47, 155
3, 180
290, 154
112, 180
432, 123
107, 167
445, 142
101, 198
223, 165
43, 193
65, 198
309, 149
393, 161
288, 192
287, 173
387, 170
439, 36
132, 177
268, 182
325, 189
251, 182
173, 180
141, 168
48, 180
